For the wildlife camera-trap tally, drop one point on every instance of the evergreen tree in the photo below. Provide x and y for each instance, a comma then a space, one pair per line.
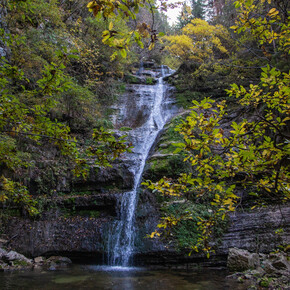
198, 9
184, 17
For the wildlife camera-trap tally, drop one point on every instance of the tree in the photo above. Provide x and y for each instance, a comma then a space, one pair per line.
198, 10
127, 10
253, 155
199, 42
25, 117
184, 16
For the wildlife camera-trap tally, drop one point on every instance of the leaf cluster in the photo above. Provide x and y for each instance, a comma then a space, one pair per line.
253, 154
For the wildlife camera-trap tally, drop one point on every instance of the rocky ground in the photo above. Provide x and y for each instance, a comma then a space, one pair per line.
258, 271
11, 260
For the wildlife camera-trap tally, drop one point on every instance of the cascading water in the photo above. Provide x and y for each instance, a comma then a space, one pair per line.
152, 110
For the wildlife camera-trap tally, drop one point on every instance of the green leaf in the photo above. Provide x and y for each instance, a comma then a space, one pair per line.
123, 52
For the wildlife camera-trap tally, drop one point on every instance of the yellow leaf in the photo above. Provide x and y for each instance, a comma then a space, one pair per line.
273, 12
151, 46
3, 198
91, 4
111, 25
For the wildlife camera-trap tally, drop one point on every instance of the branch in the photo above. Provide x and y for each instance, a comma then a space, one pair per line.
39, 135
274, 126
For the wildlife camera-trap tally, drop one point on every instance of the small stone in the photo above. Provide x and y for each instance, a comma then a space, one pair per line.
2, 241
258, 272
59, 260
37, 267
4, 267
2, 253
52, 268
240, 280
39, 260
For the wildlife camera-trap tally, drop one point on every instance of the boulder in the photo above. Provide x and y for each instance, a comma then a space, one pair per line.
276, 263
280, 262
15, 258
241, 260
268, 267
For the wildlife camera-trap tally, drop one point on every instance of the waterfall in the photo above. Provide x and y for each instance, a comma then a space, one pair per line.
150, 104
141, 69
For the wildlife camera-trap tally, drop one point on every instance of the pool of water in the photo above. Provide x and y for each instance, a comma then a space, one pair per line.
102, 277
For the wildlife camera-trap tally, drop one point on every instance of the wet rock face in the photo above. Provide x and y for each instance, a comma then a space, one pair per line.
43, 179
255, 230
133, 115
74, 226
4, 50
104, 204
62, 235
147, 218
119, 176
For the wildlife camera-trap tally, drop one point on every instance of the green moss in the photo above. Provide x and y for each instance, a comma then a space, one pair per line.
166, 162
122, 88
20, 263
125, 129
10, 213
170, 166
265, 283
150, 81
83, 213
185, 98
89, 213
132, 79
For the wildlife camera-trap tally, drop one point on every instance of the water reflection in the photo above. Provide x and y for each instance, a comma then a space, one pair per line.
118, 278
